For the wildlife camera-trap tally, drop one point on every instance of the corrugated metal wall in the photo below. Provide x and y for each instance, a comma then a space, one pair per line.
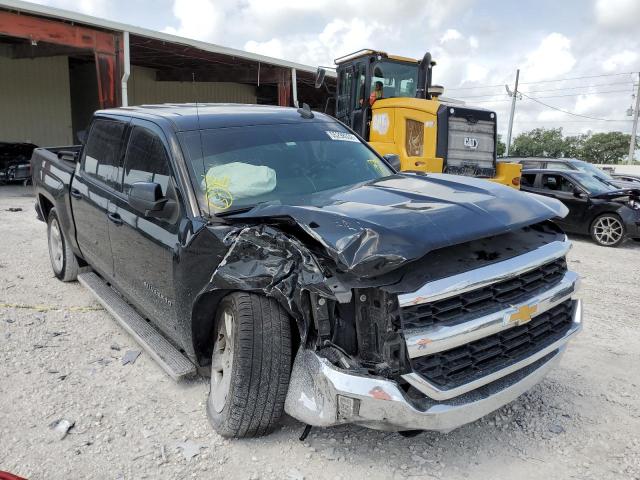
35, 104
143, 88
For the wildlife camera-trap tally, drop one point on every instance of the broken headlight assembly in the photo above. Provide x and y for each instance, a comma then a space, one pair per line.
635, 204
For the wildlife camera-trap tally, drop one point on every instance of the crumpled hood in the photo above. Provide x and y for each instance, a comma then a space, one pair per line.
619, 194
371, 229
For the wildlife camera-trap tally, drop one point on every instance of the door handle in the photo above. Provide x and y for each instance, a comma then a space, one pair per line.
115, 218
76, 193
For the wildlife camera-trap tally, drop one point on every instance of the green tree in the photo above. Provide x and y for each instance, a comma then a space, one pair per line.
573, 145
540, 142
608, 147
501, 147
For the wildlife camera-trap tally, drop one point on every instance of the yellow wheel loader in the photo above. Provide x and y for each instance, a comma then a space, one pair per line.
390, 102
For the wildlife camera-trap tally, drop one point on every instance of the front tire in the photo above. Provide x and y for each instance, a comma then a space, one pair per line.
63, 261
250, 366
608, 230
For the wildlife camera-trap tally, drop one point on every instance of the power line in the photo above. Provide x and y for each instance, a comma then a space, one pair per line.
579, 78
583, 93
565, 111
547, 81
580, 86
476, 87
499, 95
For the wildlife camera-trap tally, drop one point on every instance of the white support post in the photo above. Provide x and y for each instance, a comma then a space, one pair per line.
294, 87
127, 70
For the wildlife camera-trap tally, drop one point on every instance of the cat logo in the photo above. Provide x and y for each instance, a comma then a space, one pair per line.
471, 142
521, 315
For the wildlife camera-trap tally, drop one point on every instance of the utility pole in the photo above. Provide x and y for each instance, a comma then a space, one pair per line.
514, 95
634, 130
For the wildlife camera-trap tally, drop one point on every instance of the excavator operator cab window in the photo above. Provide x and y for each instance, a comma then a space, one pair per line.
344, 97
398, 79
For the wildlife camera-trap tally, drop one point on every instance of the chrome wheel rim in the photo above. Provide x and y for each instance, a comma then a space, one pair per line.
222, 362
55, 246
608, 230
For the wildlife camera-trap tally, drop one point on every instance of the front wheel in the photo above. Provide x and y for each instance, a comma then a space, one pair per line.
63, 261
250, 366
608, 230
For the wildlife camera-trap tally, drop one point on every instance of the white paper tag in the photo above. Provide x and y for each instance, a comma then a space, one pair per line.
342, 136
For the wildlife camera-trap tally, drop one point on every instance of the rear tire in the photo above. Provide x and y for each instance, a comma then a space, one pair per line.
250, 366
63, 261
608, 230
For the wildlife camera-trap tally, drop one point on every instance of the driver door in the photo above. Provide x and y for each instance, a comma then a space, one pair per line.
144, 247
563, 188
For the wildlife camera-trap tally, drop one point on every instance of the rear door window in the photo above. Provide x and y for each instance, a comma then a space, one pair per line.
146, 160
102, 154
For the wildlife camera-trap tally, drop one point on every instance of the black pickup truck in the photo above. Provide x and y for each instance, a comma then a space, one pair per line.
277, 249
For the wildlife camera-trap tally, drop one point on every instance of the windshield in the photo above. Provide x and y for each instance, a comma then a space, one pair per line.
589, 168
394, 79
594, 185
240, 167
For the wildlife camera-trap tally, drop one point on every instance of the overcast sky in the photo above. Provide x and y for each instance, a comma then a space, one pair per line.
477, 44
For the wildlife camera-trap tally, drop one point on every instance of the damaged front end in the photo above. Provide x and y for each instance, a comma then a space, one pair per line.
404, 324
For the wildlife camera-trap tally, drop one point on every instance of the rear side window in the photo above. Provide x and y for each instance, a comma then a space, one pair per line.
558, 166
102, 152
146, 160
531, 165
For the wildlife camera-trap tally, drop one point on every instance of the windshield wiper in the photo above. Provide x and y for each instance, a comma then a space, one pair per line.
226, 213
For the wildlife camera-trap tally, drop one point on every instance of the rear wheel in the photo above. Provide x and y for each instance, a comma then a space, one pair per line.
250, 366
608, 230
63, 261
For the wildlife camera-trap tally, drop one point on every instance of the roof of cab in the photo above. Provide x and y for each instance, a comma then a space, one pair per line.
189, 116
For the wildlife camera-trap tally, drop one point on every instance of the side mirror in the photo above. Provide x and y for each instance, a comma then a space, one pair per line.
146, 197
82, 137
393, 160
320, 73
577, 192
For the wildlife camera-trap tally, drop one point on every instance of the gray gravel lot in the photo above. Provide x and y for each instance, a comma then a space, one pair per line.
61, 358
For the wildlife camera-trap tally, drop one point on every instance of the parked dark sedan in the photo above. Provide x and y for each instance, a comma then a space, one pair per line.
598, 208
571, 164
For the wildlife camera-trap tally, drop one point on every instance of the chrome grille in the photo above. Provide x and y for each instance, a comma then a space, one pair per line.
492, 298
466, 363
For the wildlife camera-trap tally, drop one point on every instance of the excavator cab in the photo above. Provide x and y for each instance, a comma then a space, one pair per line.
390, 101
367, 72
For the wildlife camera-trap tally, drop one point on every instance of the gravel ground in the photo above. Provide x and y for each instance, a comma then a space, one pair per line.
61, 358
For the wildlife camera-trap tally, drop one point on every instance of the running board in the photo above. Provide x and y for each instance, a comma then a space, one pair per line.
164, 353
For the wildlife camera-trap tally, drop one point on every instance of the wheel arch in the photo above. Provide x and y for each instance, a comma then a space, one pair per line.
203, 323
46, 205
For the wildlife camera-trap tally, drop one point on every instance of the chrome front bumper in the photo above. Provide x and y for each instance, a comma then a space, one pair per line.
323, 395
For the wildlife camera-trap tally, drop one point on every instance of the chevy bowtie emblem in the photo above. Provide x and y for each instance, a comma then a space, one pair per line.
522, 315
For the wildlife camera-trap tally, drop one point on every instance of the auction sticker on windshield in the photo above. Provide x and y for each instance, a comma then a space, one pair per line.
342, 136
